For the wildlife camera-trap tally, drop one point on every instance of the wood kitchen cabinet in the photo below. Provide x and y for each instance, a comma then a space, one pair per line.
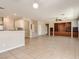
62, 29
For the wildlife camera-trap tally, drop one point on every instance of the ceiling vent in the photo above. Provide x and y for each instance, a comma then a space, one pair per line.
1, 8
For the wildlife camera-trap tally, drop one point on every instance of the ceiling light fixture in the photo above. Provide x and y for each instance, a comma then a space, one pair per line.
14, 14
35, 5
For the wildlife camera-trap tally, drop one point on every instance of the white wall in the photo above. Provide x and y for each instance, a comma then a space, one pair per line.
38, 28
11, 39
69, 13
33, 28
42, 29
74, 23
66, 14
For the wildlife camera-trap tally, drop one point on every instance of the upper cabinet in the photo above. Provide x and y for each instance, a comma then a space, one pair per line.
1, 23
11, 24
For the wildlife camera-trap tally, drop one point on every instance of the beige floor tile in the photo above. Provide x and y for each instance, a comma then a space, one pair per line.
46, 47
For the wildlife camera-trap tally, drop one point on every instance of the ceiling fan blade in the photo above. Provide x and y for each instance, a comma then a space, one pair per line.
1, 8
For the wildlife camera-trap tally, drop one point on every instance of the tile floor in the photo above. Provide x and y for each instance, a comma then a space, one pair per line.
46, 48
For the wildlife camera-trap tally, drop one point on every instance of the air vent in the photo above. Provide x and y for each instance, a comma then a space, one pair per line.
1, 8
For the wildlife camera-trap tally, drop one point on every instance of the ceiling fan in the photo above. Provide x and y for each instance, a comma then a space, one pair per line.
2, 8
77, 18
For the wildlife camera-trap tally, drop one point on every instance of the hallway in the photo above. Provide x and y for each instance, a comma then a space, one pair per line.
46, 47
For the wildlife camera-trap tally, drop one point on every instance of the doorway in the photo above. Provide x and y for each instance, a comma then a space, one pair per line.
47, 26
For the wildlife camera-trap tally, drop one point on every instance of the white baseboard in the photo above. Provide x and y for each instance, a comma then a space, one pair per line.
11, 48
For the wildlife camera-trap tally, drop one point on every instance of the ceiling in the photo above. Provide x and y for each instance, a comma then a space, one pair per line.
47, 8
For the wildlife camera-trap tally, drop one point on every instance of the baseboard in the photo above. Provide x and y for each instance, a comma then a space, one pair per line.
38, 36
11, 48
